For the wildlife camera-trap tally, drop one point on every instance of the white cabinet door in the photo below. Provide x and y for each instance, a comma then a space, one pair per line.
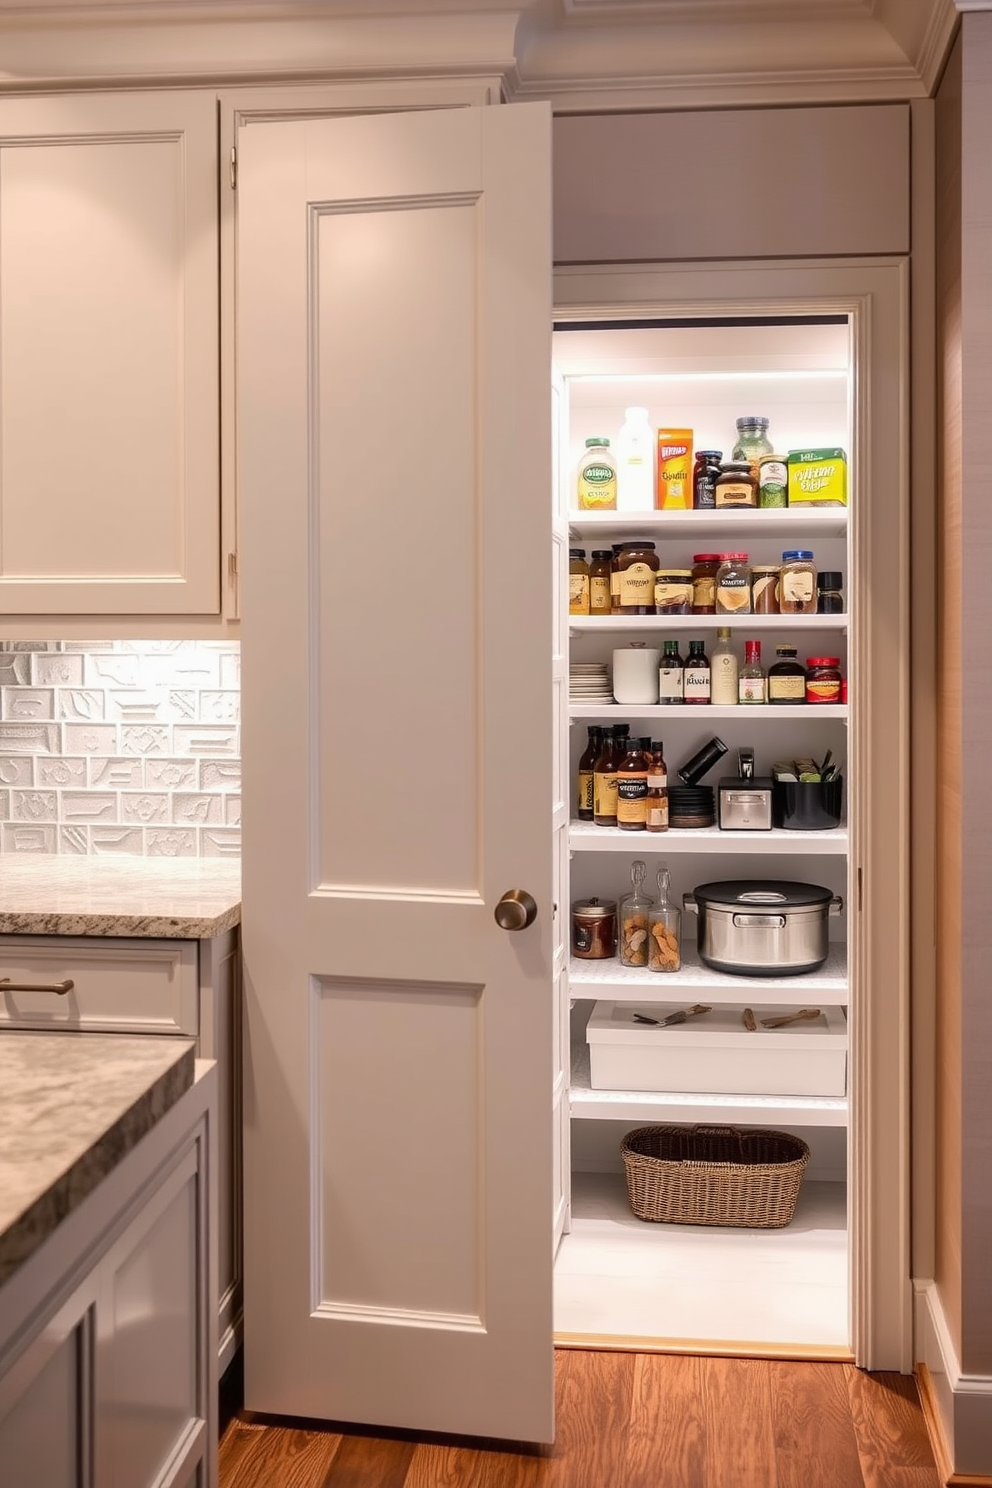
394, 460
109, 471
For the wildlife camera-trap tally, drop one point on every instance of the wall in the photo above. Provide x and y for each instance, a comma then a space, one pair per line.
120, 747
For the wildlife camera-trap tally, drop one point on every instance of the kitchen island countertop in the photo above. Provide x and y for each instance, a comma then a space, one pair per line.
72, 1105
177, 898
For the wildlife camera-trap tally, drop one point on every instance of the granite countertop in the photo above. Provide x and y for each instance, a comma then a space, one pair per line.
178, 898
72, 1105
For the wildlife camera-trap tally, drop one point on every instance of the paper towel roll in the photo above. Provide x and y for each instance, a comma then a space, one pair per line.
635, 674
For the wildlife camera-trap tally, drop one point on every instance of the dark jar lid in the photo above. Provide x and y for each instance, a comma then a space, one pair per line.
594, 909
829, 578
602, 552
576, 552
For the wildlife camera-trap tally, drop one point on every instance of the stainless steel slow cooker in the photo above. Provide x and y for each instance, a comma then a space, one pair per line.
762, 927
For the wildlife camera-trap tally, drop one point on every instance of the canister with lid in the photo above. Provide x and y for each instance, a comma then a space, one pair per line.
830, 592
594, 928
704, 571
704, 474
637, 565
773, 481
578, 582
764, 589
736, 485
823, 679
752, 441
600, 602
733, 585
673, 591
797, 583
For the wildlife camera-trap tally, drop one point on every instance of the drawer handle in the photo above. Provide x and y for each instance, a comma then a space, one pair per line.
59, 988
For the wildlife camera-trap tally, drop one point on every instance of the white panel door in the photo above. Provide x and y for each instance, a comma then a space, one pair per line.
394, 456
109, 469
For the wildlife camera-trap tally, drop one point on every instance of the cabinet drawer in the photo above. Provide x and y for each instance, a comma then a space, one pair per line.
119, 986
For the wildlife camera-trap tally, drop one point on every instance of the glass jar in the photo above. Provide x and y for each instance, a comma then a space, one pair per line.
787, 678
830, 592
600, 602
594, 929
704, 474
752, 441
664, 929
733, 585
764, 589
773, 481
637, 565
823, 679
597, 477
615, 578
673, 591
578, 582
797, 583
634, 910
704, 571
736, 485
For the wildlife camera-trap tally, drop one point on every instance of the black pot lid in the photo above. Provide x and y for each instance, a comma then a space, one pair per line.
762, 894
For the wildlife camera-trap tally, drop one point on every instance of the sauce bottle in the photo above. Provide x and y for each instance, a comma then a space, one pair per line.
600, 602
657, 802
578, 582
587, 765
696, 676
632, 787
597, 479
670, 675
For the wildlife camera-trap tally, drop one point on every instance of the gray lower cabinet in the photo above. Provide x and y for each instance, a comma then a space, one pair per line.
177, 988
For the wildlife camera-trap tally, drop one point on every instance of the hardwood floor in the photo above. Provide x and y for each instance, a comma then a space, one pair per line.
629, 1420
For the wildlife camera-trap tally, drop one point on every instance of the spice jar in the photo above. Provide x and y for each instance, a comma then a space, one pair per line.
764, 589
830, 593
736, 485
773, 481
594, 929
733, 585
797, 583
704, 570
600, 602
637, 564
673, 591
664, 929
752, 441
704, 474
578, 582
634, 910
823, 679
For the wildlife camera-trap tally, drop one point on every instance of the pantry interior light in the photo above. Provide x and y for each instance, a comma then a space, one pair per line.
751, 376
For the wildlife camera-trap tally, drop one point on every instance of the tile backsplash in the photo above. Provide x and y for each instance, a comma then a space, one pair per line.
126, 747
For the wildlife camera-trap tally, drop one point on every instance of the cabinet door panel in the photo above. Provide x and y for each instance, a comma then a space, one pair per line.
109, 483
44, 1404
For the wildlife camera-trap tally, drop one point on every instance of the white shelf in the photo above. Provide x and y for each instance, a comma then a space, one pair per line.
698, 624
771, 711
738, 1110
587, 837
786, 522
697, 983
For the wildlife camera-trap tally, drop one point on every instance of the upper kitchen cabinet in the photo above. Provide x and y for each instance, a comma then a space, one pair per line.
109, 354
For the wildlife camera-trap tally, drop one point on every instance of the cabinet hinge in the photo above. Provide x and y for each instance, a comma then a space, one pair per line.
234, 168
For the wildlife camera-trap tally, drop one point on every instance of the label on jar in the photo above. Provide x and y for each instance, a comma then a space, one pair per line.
733, 593
764, 598
632, 800
735, 493
704, 592
600, 602
578, 594
605, 793
657, 817
723, 679
823, 690
636, 586
657, 781
585, 791
581, 937
752, 689
614, 588
673, 597
670, 685
786, 689
696, 684
797, 588
597, 487
773, 483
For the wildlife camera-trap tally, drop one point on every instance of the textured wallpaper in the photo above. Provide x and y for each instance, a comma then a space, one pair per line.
120, 747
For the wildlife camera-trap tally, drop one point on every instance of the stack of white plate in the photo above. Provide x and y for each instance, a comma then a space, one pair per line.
589, 682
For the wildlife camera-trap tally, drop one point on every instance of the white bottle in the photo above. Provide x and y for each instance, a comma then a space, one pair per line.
636, 461
723, 670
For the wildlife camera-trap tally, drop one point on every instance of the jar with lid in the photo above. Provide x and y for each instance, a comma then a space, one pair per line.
704, 474
578, 582
830, 592
664, 928
634, 910
673, 591
764, 589
704, 571
823, 679
736, 485
733, 585
597, 478
752, 441
600, 602
637, 564
594, 928
797, 583
773, 481
787, 678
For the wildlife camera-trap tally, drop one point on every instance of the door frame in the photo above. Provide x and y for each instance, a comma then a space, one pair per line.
874, 292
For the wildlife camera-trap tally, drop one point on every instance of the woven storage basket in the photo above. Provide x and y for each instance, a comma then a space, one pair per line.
714, 1175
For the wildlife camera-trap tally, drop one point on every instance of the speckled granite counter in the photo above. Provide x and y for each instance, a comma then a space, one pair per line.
71, 1107
181, 898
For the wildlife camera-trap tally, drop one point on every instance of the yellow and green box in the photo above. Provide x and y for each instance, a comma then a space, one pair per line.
817, 477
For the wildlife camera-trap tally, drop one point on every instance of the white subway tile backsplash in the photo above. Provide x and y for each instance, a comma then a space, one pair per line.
27, 703
60, 772
29, 738
15, 837
90, 738
220, 842
4, 805
112, 669
144, 738
144, 809
74, 841
222, 774
53, 669
86, 807
116, 774
171, 774
17, 770
170, 842
83, 704
15, 667
104, 841
232, 811
33, 806
197, 810
220, 707
205, 739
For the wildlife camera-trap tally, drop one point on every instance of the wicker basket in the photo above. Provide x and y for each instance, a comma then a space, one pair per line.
714, 1175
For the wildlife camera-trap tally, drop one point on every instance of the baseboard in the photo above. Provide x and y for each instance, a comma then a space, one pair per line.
957, 1407
613, 1343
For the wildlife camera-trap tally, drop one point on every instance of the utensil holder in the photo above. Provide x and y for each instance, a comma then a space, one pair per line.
807, 806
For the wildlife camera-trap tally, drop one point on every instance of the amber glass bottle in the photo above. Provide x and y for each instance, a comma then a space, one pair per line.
632, 786
605, 775
657, 802
587, 764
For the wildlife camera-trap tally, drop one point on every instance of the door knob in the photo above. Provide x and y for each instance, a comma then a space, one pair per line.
516, 910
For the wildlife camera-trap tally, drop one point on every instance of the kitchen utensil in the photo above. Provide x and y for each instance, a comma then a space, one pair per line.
692, 772
804, 1014
749, 1020
677, 1017
762, 927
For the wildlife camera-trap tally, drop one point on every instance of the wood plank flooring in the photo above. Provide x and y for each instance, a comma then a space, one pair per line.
629, 1420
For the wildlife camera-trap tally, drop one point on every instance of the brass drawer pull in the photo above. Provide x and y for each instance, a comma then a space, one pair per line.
59, 988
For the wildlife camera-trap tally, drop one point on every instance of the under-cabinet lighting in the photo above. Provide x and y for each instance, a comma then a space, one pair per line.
705, 376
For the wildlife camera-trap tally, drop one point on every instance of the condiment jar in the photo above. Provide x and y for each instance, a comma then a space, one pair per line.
786, 679
637, 564
773, 481
704, 474
830, 592
704, 570
736, 485
797, 583
594, 929
664, 929
578, 582
673, 591
600, 602
597, 477
823, 679
733, 585
752, 441
634, 910
764, 589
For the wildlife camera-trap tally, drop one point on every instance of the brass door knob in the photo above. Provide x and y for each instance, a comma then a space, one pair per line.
516, 910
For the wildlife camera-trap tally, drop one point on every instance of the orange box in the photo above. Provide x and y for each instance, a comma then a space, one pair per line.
674, 470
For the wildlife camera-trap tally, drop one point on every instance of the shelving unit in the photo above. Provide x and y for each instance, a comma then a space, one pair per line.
587, 837
696, 982
778, 712
788, 523
579, 625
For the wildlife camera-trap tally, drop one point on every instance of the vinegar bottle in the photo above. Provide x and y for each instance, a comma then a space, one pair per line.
657, 802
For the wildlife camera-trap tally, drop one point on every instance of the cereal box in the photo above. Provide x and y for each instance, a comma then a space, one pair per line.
817, 477
674, 470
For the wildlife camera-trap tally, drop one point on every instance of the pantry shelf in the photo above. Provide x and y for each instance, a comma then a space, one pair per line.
788, 523
696, 982
746, 712
583, 625
587, 837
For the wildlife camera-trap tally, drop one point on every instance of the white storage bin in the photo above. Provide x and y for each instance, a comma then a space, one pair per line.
713, 1054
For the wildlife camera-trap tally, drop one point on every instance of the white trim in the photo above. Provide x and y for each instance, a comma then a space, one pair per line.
963, 1401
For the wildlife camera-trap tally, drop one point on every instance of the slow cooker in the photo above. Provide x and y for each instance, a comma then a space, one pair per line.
762, 927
